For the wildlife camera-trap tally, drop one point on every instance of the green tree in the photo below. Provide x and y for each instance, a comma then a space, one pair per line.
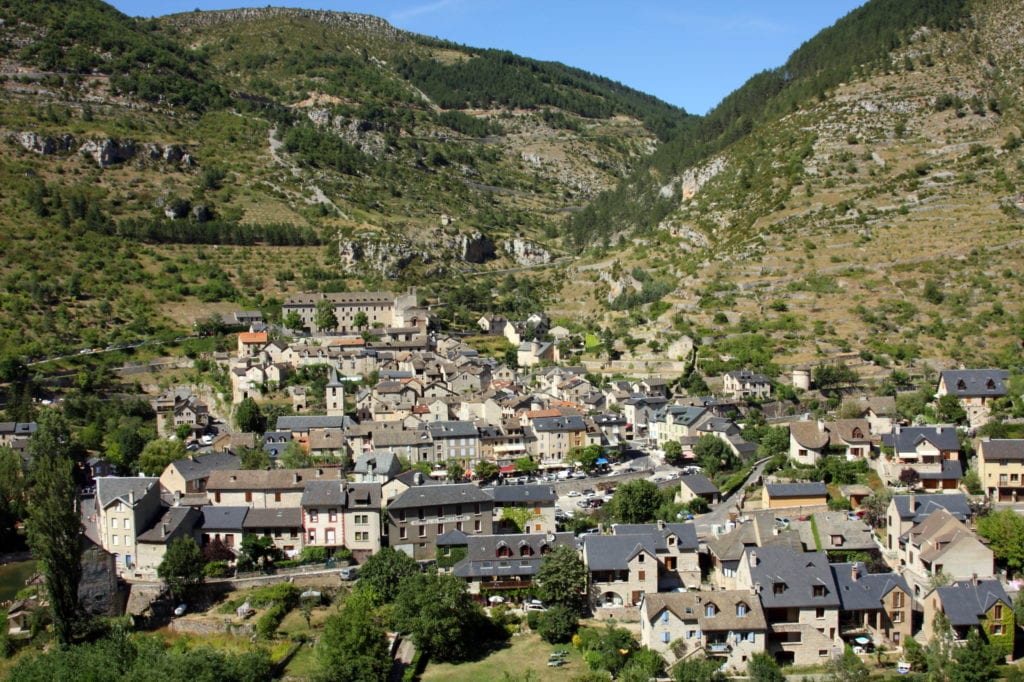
258, 551
698, 669
607, 649
1004, 531
384, 571
456, 471
828, 376
249, 417
438, 612
562, 579
526, 465
360, 320
157, 454
976, 661
762, 668
124, 443
293, 321
712, 453
774, 442
636, 501
12, 497
183, 431
848, 667
254, 458
486, 470
673, 452
53, 524
948, 410
875, 506
354, 645
295, 456
182, 567
586, 457
325, 318
558, 624
643, 665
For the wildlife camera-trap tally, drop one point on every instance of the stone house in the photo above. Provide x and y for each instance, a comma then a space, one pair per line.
975, 389
744, 384
697, 485
800, 601
942, 544
502, 563
225, 524
972, 604
906, 511
190, 474
421, 513
875, 605
153, 543
283, 525
265, 489
532, 506
1001, 468
809, 496
932, 451
728, 626
125, 506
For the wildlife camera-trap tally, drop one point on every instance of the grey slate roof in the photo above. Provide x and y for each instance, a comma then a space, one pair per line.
111, 488
364, 495
683, 415
1002, 448
482, 561
868, 590
323, 493
452, 538
512, 494
975, 382
811, 489
174, 522
798, 572
924, 505
287, 517
556, 424
613, 552
382, 462
964, 602
224, 518
200, 466
307, 422
424, 495
906, 438
699, 484
685, 532
452, 429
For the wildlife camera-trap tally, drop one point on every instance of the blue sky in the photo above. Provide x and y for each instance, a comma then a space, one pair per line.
691, 54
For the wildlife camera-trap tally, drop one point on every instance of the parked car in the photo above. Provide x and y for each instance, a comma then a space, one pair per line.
588, 492
180, 609
348, 572
573, 493
535, 605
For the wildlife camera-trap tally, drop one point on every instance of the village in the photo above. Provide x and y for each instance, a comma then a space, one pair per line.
858, 529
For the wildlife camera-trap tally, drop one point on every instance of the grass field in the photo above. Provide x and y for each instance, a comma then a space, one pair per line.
525, 652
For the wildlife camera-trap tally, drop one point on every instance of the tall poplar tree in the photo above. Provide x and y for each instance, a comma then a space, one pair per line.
54, 525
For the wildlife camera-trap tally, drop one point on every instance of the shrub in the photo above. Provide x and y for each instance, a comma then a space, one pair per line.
313, 555
217, 569
558, 625
267, 625
286, 594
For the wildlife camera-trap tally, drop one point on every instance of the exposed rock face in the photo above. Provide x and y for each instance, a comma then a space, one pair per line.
475, 248
44, 144
526, 252
380, 253
109, 151
97, 590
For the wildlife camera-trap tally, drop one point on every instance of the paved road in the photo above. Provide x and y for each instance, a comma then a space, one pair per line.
719, 515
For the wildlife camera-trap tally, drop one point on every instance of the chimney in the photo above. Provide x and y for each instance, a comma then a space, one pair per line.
661, 524
131, 498
854, 572
163, 530
177, 497
986, 439
755, 589
912, 502
295, 477
938, 429
974, 579
233, 477
753, 558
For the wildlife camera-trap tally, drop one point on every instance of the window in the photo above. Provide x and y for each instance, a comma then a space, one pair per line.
710, 610
362, 519
314, 516
440, 529
403, 533
897, 599
248, 496
819, 590
640, 558
641, 575
277, 497
127, 524
822, 652
690, 634
997, 629
897, 617
312, 535
117, 539
216, 497
750, 636
997, 611
741, 609
330, 536
113, 523
477, 526
423, 531
332, 515
664, 637
362, 536
664, 616
819, 613
778, 588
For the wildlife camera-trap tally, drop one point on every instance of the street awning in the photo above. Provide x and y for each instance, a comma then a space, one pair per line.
508, 469
601, 461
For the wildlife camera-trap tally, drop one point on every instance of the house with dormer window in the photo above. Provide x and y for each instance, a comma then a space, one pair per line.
800, 601
975, 389
727, 625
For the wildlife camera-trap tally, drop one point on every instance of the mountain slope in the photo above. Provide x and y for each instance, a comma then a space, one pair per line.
880, 214
213, 160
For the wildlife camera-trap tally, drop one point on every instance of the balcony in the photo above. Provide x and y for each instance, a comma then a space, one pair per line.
718, 647
505, 584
